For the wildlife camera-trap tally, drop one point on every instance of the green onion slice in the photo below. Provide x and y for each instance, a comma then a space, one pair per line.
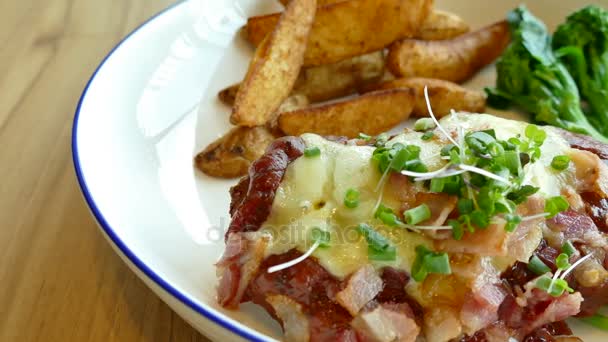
312, 151
416, 215
538, 266
560, 163
351, 198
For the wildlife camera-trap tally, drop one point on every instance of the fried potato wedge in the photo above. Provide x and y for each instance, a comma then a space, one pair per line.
231, 155
350, 28
455, 60
319, 2
330, 81
443, 95
438, 25
372, 113
441, 25
275, 66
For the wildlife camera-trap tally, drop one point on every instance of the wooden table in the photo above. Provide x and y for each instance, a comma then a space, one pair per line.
59, 278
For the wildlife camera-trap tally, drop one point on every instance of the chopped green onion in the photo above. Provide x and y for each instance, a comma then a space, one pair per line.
479, 141
562, 261
379, 247
437, 184
538, 266
428, 135
556, 205
445, 151
597, 320
424, 124
416, 215
321, 236
560, 163
387, 216
427, 262
568, 248
312, 151
351, 199
365, 137
512, 222
381, 139
520, 195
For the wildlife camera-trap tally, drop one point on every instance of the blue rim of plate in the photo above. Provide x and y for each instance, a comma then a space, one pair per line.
165, 285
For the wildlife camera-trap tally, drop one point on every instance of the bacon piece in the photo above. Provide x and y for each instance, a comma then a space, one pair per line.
595, 298
249, 211
591, 172
402, 189
294, 321
584, 142
441, 206
597, 209
311, 286
387, 323
238, 265
491, 241
577, 228
363, 286
441, 323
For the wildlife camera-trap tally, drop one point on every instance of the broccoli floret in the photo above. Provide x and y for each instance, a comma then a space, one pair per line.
582, 44
531, 77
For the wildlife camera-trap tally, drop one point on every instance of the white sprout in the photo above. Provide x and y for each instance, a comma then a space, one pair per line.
296, 261
578, 262
447, 173
425, 174
427, 227
534, 217
428, 106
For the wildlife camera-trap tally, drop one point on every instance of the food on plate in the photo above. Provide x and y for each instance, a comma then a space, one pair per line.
231, 155
455, 60
352, 27
444, 95
371, 113
530, 76
330, 81
319, 2
476, 229
437, 25
441, 25
275, 66
582, 43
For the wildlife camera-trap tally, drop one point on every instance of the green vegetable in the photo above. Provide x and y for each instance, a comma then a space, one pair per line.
598, 321
424, 124
582, 44
416, 215
387, 216
512, 222
428, 135
530, 76
560, 163
562, 261
379, 248
555, 205
554, 287
568, 248
321, 236
427, 262
351, 199
312, 151
365, 137
538, 266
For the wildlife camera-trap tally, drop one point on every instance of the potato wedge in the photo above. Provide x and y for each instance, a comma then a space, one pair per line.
319, 2
275, 66
351, 27
441, 25
372, 113
231, 155
455, 60
438, 25
330, 81
443, 95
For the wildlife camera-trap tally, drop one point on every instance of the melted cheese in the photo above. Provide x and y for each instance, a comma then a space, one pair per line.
313, 189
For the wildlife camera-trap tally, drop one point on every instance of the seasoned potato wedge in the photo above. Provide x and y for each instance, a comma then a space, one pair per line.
351, 27
443, 95
454, 60
330, 81
441, 25
372, 113
275, 66
231, 155
438, 25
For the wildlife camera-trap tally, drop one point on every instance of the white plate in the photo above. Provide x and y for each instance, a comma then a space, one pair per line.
139, 123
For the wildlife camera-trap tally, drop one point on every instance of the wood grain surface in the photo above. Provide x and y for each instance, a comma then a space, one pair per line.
59, 278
